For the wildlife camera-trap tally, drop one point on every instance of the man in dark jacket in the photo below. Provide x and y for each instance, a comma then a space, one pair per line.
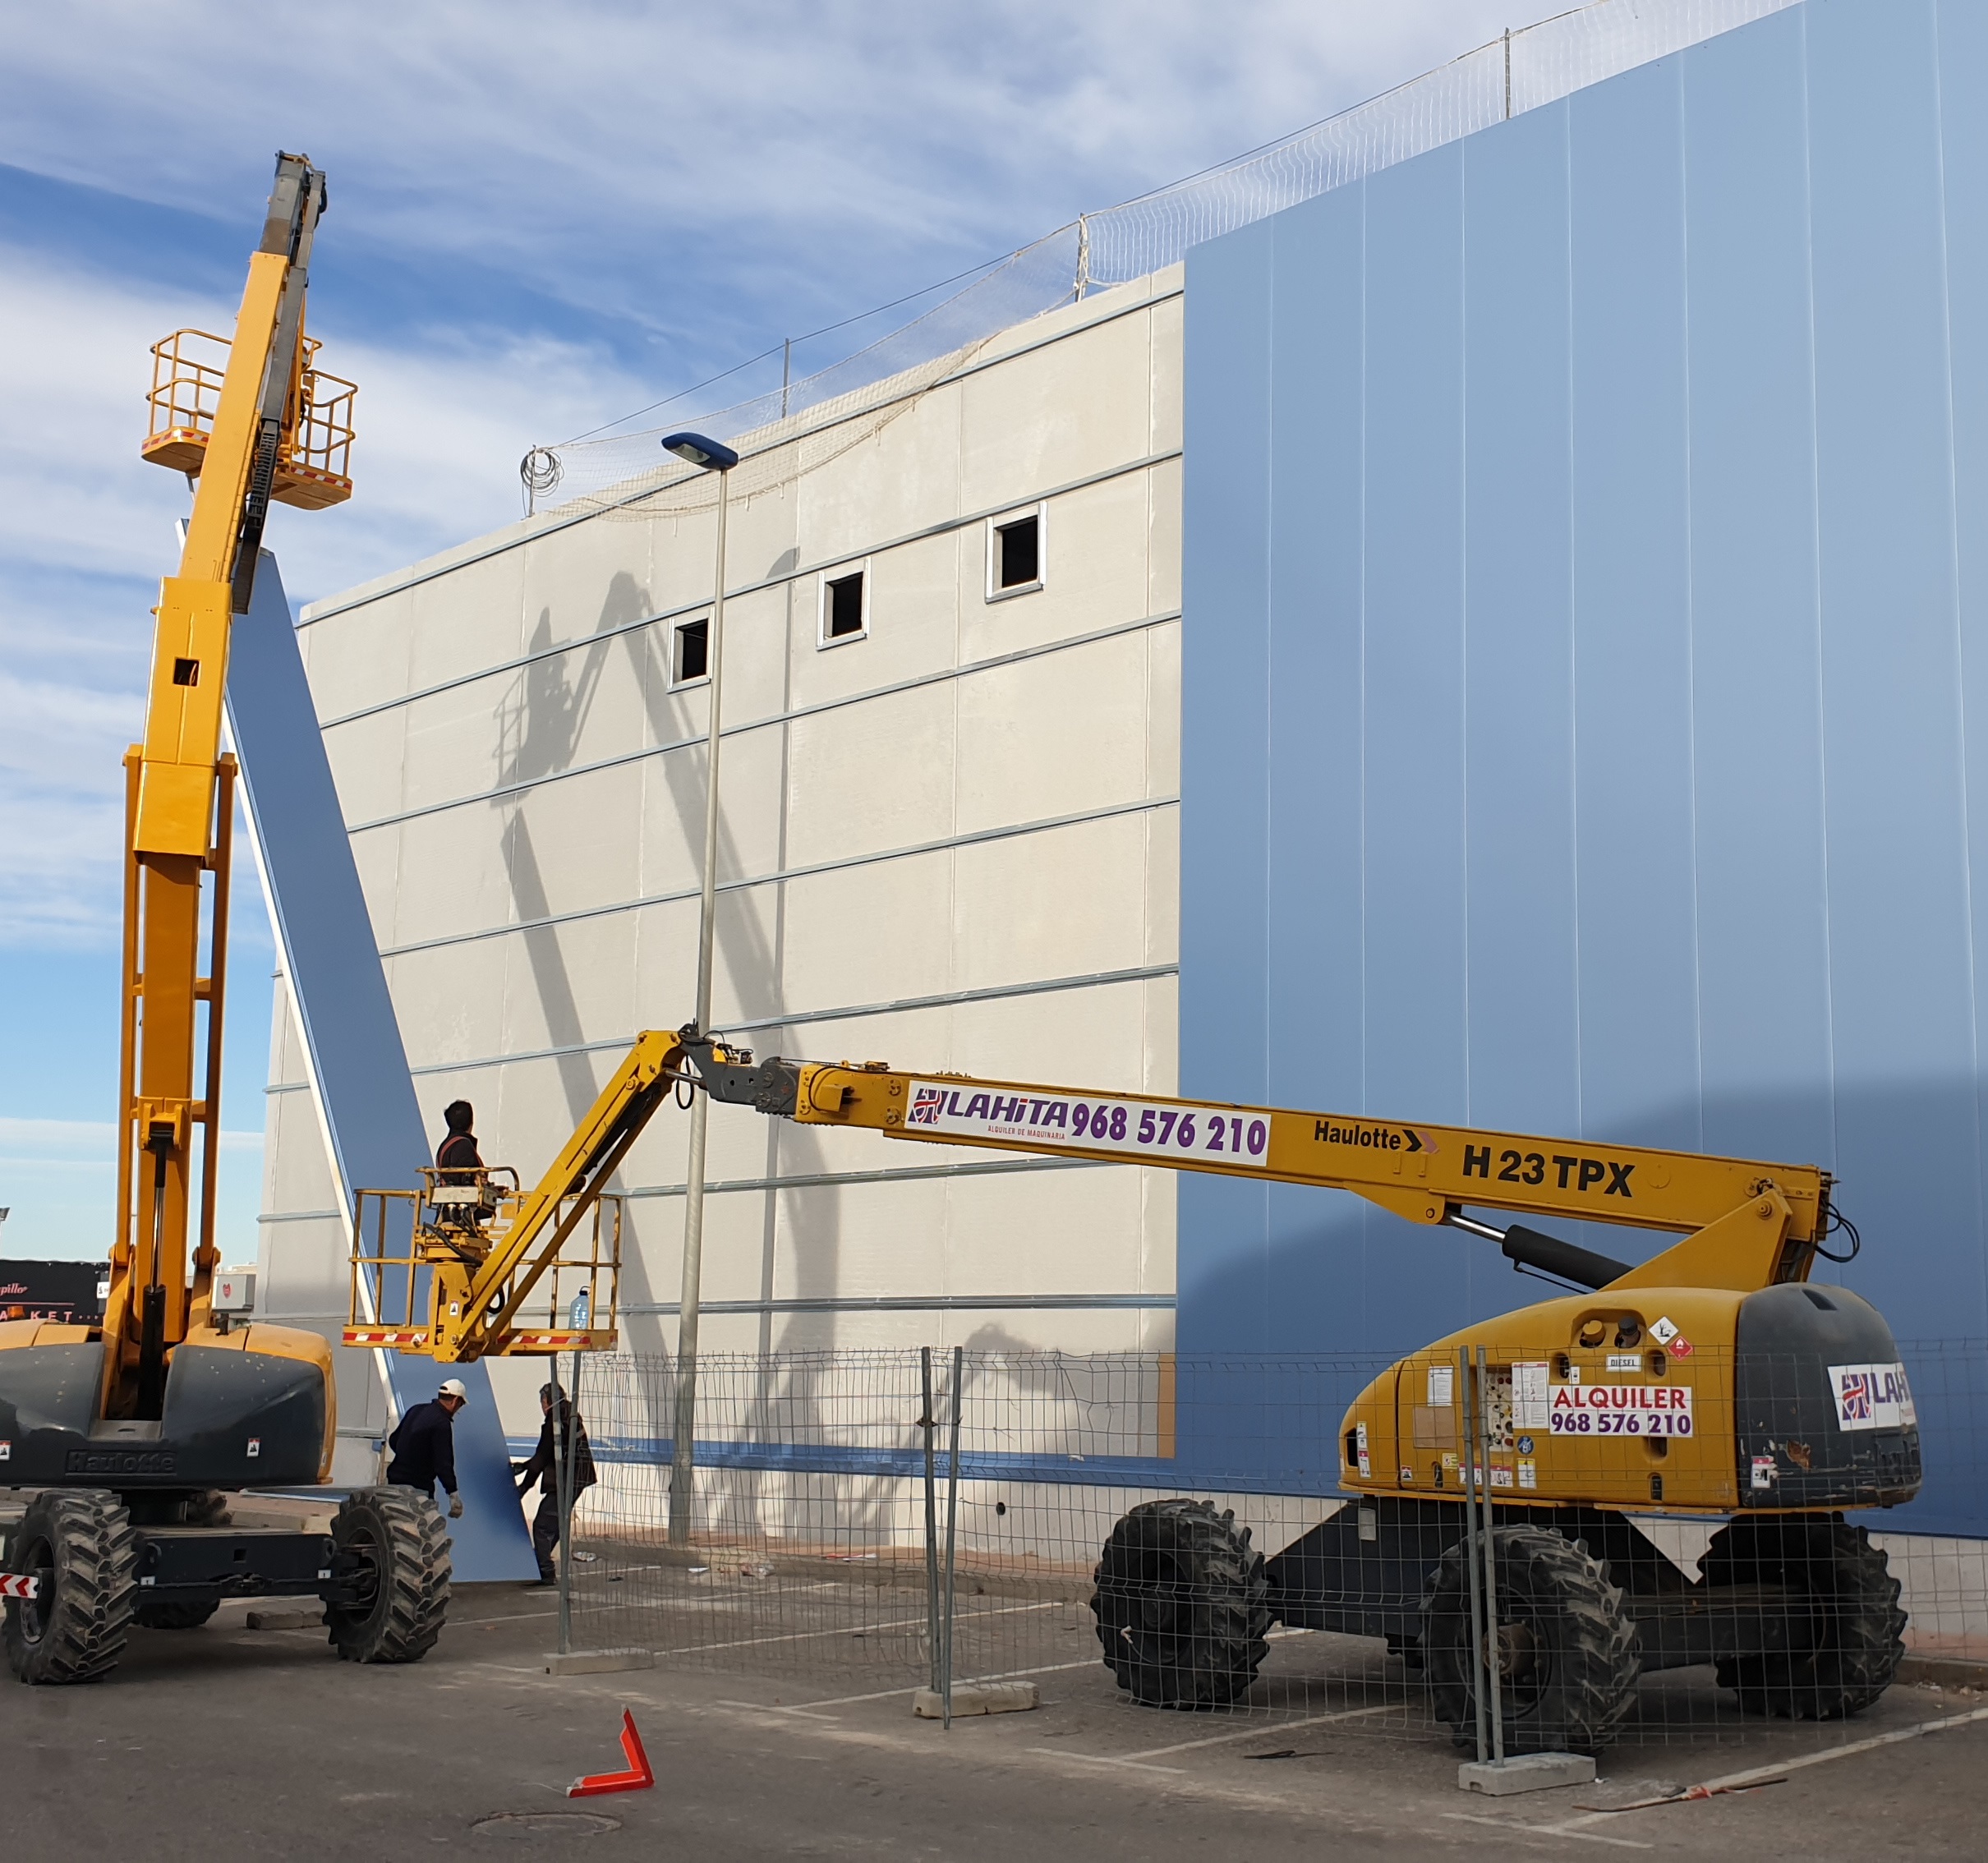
425, 1445
458, 1152
561, 1428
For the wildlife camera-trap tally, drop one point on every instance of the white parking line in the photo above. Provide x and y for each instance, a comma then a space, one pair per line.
1512, 1827
846, 1630
886, 1694
1106, 1759
1263, 1730
1758, 1775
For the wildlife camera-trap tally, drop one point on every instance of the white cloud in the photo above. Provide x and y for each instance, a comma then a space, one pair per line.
702, 172
574, 145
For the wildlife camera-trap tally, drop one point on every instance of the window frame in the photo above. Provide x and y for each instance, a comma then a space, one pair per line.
676, 630
1039, 511
841, 573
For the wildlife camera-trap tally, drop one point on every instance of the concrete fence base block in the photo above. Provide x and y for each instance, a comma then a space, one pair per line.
312, 1619
1525, 1772
599, 1662
978, 1698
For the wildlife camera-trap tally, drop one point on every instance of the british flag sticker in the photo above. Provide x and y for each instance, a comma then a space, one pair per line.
927, 1104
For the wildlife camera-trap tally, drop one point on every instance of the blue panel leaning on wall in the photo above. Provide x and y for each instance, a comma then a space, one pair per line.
340, 992
1584, 727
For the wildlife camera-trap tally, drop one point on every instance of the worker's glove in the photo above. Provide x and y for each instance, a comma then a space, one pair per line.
455, 1507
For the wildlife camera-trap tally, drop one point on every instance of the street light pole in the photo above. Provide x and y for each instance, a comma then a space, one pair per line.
719, 459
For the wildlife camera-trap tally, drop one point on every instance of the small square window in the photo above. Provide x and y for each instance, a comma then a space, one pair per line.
845, 606
1014, 555
690, 659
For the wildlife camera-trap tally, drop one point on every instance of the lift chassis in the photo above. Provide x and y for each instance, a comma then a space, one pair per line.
1711, 1383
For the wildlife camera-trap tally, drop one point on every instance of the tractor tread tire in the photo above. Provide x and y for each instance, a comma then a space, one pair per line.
158, 1614
411, 1554
1862, 1632
83, 1626
1193, 1640
1577, 1626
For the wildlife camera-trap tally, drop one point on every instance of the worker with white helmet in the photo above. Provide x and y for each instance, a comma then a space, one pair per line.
425, 1445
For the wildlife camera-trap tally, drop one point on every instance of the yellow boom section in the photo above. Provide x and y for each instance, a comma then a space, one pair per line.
178, 807
1747, 1223
481, 1276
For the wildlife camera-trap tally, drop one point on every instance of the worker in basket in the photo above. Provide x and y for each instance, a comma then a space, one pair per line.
561, 1434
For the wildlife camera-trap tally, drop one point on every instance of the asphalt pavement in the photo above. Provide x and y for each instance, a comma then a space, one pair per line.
225, 1742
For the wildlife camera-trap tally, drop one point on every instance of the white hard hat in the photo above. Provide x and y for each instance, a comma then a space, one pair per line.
454, 1387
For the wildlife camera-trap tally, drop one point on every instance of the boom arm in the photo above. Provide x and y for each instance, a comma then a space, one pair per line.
549, 1211
1746, 1223
177, 834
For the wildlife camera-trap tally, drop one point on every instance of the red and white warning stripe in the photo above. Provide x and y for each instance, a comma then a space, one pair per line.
19, 1584
384, 1335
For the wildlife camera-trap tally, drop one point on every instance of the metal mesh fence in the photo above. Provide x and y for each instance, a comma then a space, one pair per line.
1192, 1534
778, 431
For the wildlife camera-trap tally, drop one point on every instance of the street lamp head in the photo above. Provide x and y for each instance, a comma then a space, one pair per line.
713, 455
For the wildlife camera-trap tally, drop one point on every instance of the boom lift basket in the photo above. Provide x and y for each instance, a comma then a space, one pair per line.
313, 464
566, 1302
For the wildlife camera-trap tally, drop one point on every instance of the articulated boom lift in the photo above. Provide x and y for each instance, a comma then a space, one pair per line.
1712, 1381
132, 1436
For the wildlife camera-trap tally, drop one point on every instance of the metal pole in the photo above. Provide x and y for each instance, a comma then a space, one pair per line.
1467, 1434
562, 1456
952, 1516
1491, 1648
682, 1474
787, 364
928, 1422
1508, 74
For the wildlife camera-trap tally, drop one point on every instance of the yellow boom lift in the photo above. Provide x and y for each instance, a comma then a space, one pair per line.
129, 1437
1712, 1381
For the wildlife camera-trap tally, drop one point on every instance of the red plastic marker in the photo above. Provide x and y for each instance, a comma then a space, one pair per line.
638, 1778
22, 1584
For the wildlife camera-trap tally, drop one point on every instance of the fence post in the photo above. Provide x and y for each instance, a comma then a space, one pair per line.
928, 1422
1467, 1435
1490, 1651
562, 1461
952, 1516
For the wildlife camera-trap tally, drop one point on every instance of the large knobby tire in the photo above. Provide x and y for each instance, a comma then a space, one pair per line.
1843, 1636
160, 1613
1568, 1659
1182, 1606
395, 1538
79, 1544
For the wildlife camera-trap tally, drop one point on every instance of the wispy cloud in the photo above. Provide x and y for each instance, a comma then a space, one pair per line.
542, 218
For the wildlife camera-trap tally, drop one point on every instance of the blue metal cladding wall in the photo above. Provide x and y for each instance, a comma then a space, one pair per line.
1585, 717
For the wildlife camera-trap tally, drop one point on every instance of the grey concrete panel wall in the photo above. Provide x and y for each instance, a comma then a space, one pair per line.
951, 841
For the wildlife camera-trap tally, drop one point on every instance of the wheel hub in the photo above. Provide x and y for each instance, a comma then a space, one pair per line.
1515, 1652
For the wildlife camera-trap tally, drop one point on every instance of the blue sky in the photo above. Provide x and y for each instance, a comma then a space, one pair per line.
542, 219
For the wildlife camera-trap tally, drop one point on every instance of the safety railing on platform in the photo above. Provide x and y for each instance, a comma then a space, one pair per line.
313, 464
462, 1216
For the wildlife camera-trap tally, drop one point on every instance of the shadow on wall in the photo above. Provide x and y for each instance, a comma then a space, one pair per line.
1271, 1270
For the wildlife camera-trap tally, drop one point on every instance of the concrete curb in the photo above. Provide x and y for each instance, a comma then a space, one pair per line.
599, 1662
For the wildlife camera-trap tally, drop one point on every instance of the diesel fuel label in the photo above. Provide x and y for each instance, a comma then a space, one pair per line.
1135, 1129
1619, 1409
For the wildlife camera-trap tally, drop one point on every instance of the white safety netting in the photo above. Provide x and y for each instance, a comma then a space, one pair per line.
785, 432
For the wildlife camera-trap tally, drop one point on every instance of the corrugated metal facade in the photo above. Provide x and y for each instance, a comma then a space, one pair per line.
1584, 659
